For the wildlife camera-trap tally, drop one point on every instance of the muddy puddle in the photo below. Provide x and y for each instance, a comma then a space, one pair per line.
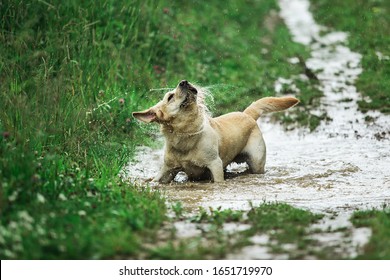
314, 171
343, 166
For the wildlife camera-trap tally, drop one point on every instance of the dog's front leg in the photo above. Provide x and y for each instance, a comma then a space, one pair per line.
216, 169
166, 175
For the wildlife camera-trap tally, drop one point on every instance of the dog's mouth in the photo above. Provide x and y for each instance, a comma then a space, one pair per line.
185, 102
192, 90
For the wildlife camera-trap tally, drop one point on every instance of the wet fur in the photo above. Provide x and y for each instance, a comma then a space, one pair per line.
201, 145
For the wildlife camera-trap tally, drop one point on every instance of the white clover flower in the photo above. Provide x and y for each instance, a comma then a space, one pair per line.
90, 194
13, 225
25, 216
41, 198
13, 196
62, 197
82, 213
40, 230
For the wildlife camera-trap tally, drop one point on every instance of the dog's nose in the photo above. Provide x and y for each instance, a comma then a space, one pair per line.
183, 83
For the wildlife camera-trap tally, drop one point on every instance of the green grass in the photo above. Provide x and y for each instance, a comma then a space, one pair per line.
368, 24
218, 216
287, 223
289, 230
378, 246
284, 224
50, 210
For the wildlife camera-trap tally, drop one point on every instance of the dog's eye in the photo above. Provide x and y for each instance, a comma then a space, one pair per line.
170, 97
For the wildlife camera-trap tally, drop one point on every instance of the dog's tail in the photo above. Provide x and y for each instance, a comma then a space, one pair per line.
270, 104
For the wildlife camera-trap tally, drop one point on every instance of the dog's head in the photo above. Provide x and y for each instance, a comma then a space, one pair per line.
182, 98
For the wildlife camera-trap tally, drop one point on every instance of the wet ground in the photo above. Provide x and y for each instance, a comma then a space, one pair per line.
311, 171
341, 167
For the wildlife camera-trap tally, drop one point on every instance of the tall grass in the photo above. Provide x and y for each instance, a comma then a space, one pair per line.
71, 69
71, 75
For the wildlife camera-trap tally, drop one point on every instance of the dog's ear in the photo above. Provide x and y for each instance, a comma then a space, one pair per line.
146, 116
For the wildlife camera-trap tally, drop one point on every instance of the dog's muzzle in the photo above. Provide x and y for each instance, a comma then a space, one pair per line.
187, 86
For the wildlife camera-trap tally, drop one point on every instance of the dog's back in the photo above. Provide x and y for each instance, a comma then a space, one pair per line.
239, 134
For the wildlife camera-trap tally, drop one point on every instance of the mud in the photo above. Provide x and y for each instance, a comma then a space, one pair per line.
312, 171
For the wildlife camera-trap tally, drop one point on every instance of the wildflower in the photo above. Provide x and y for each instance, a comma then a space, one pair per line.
166, 10
6, 134
121, 101
25, 216
128, 120
13, 196
39, 165
158, 69
40, 230
62, 197
82, 213
41, 198
13, 225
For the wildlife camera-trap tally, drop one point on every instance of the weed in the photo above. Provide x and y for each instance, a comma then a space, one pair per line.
217, 216
378, 246
286, 223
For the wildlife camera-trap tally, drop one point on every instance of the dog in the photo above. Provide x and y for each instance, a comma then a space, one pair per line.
203, 146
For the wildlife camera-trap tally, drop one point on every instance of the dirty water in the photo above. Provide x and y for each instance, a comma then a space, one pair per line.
341, 167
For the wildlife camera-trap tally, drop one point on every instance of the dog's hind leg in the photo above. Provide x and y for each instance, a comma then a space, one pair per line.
256, 152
